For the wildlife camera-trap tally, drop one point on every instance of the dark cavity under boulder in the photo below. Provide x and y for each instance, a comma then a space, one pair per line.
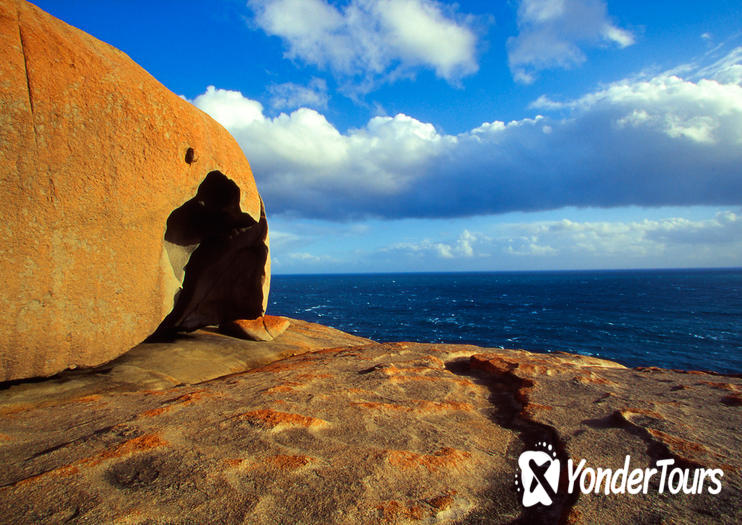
224, 256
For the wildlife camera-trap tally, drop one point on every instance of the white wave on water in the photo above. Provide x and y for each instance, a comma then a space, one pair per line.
317, 307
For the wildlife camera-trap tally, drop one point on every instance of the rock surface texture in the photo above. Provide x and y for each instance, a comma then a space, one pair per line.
265, 328
95, 156
353, 431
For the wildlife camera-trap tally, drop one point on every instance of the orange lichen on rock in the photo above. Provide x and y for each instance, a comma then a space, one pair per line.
135, 445
392, 370
395, 379
442, 502
278, 420
15, 408
286, 387
192, 397
491, 363
12, 409
499, 365
721, 386
372, 405
66, 470
287, 462
393, 511
435, 360
180, 401
530, 408
275, 325
525, 364
417, 405
680, 447
442, 406
89, 398
442, 459
156, 411
138, 444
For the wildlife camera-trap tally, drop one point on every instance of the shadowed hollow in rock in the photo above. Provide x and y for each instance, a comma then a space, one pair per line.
219, 254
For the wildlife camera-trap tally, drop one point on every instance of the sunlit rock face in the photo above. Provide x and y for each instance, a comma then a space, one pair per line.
95, 156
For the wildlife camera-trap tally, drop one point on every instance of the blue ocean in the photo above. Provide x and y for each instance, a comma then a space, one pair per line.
687, 319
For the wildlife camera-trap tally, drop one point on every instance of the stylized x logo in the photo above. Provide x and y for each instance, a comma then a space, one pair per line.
539, 477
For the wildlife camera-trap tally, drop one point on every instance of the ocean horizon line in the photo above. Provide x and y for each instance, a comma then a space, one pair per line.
542, 271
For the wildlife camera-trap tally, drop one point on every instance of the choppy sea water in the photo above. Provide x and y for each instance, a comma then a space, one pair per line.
689, 319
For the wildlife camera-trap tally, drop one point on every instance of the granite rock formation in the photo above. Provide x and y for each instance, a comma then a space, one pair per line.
352, 431
95, 156
265, 328
126, 209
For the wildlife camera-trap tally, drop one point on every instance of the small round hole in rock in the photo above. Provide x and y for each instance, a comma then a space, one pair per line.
190, 155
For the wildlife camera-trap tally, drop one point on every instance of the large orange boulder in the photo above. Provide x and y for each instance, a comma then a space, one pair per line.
123, 205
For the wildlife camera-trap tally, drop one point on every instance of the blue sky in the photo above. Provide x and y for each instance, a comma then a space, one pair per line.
415, 135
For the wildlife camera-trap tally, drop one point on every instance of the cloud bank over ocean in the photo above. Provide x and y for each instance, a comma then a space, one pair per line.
565, 237
663, 139
478, 244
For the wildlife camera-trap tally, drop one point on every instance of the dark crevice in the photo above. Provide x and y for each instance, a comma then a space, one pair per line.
372, 369
226, 254
509, 397
28, 78
68, 443
106, 435
25, 64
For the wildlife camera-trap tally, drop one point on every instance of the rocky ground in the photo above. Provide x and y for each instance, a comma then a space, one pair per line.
319, 426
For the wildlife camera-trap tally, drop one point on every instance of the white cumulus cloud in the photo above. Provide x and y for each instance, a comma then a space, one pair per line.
229, 108
372, 40
461, 247
650, 141
291, 96
715, 241
721, 234
553, 32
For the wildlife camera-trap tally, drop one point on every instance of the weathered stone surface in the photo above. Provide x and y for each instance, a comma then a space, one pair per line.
95, 155
188, 359
369, 433
602, 412
264, 328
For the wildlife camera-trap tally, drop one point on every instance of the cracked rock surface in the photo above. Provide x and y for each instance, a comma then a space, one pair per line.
353, 431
